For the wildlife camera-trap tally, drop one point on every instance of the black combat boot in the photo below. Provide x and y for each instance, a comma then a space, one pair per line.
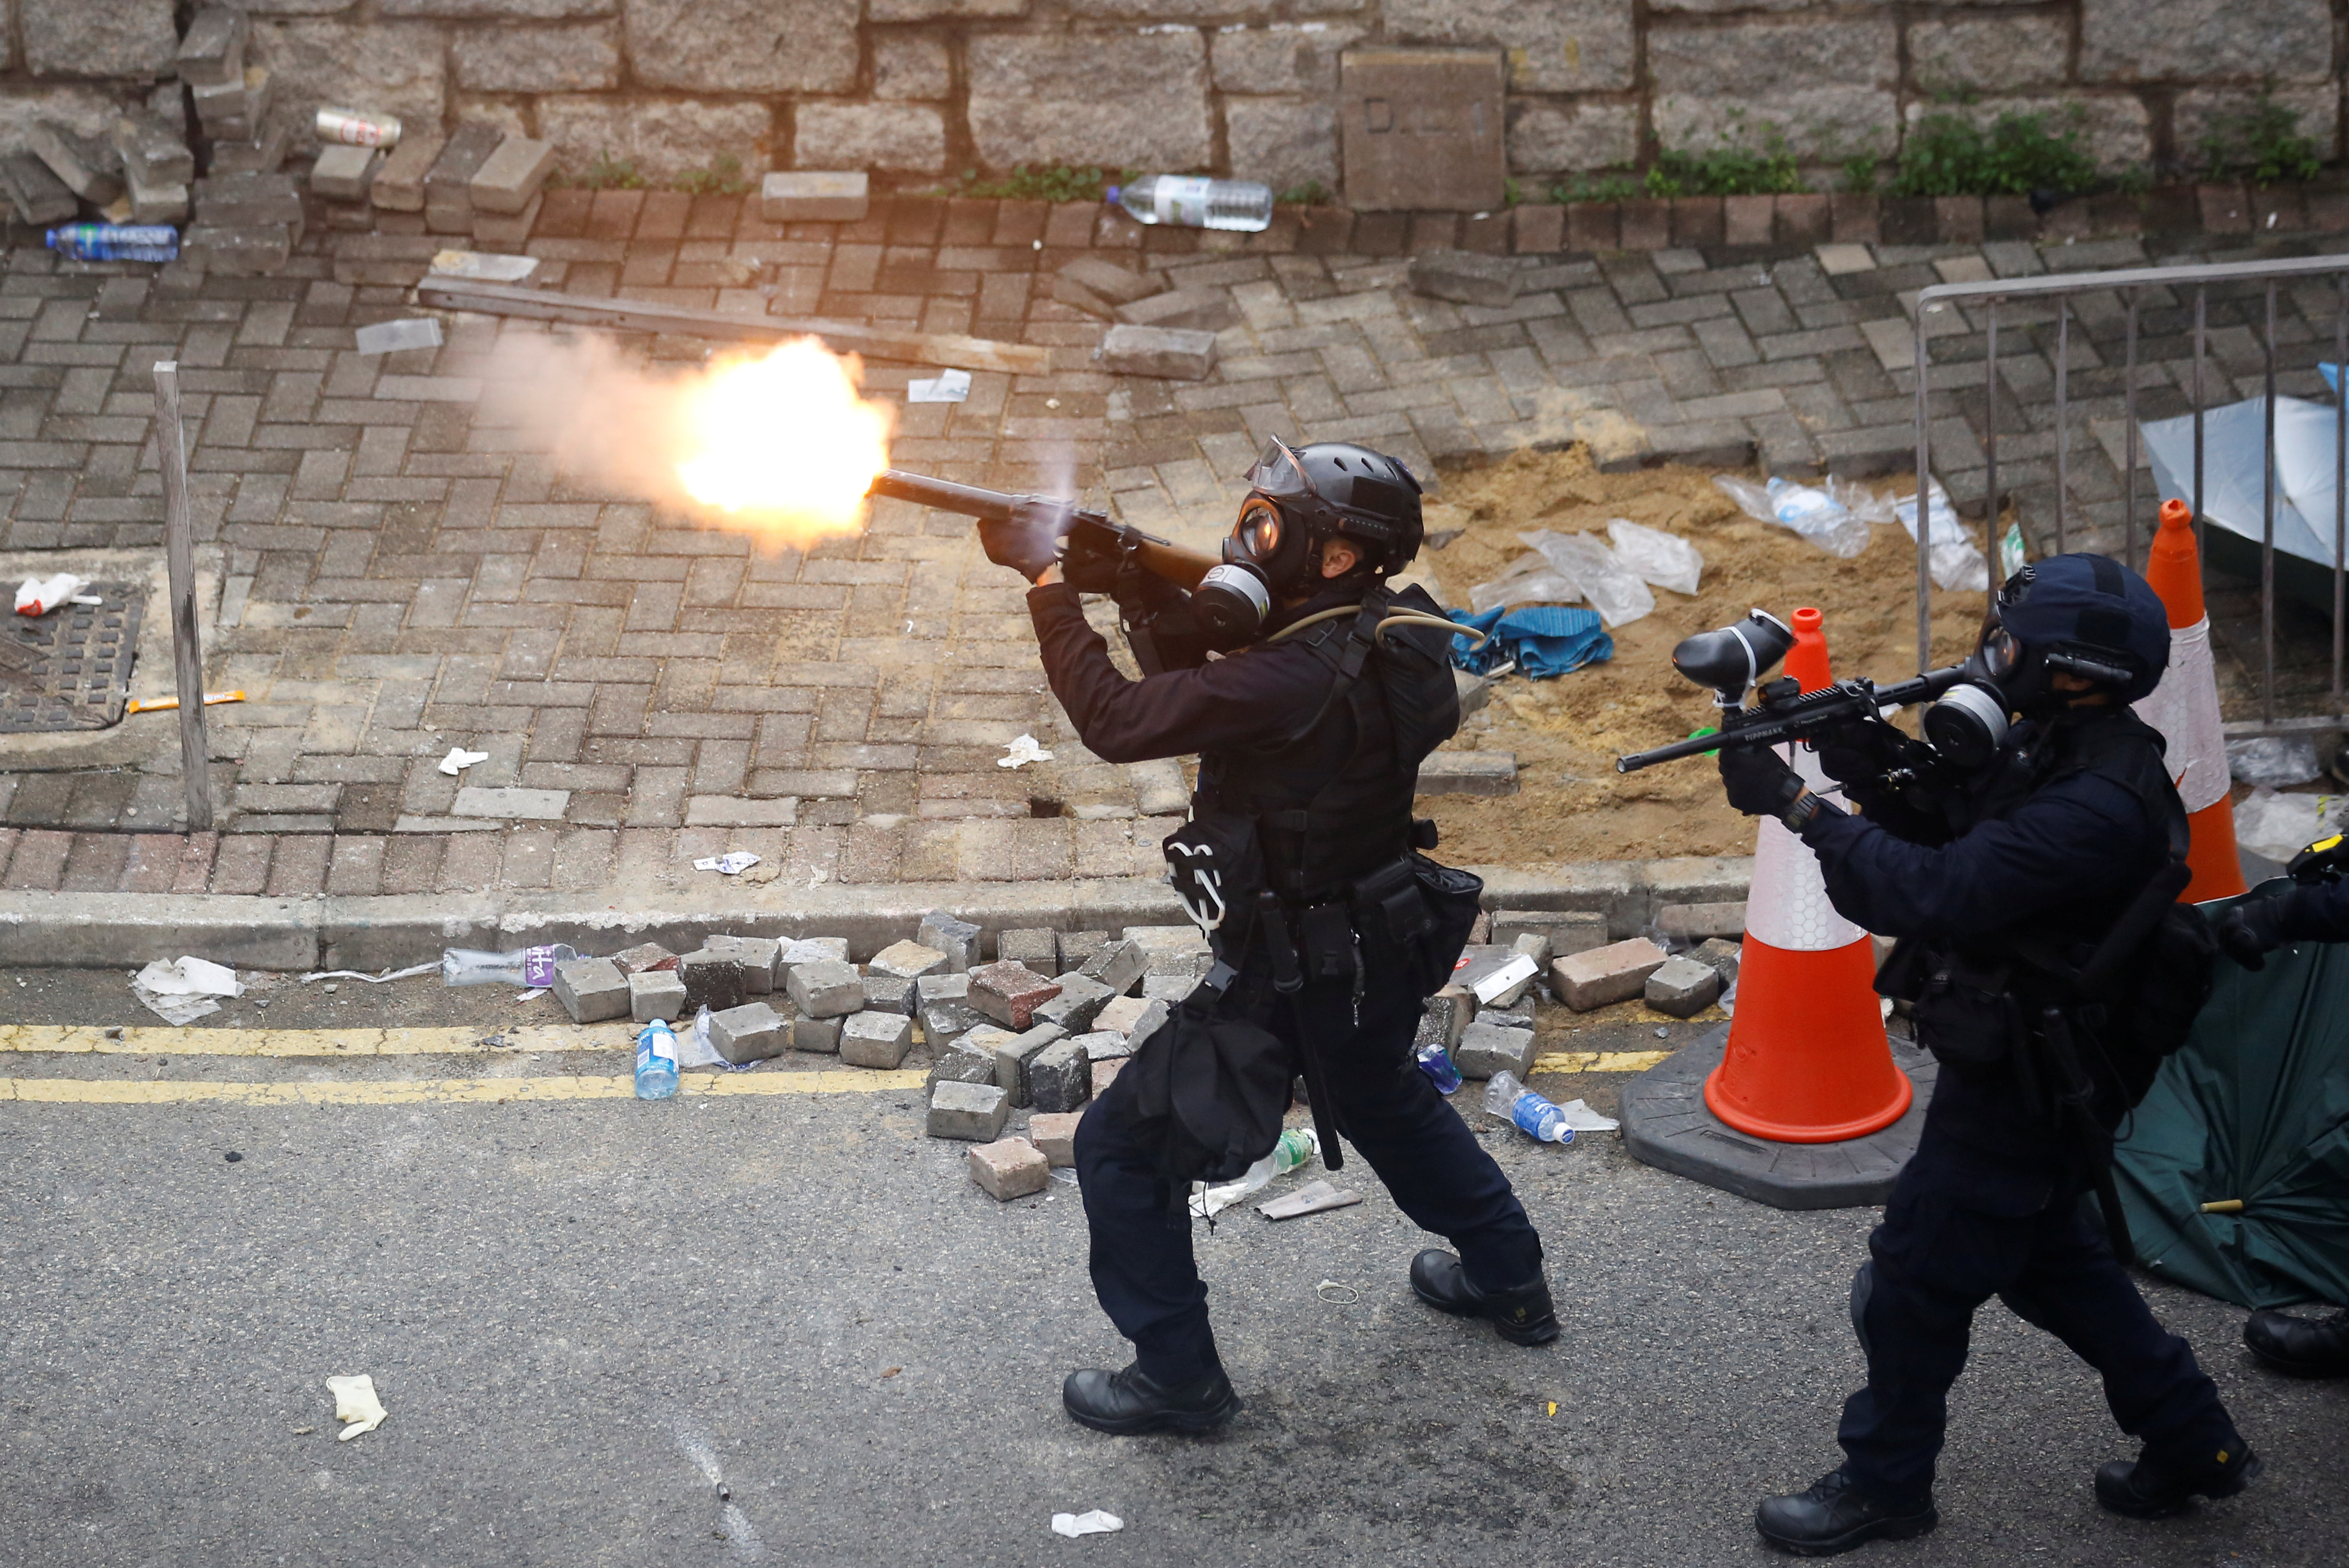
1129, 1401
2305, 1348
1524, 1316
2156, 1485
1836, 1515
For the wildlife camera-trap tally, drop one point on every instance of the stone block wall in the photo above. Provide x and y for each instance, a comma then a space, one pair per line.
916, 89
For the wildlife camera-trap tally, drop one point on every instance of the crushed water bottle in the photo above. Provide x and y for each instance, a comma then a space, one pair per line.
656, 1061
524, 966
1504, 1095
1195, 201
118, 241
1436, 1063
1297, 1146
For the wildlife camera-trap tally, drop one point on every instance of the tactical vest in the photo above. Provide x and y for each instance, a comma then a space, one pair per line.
1332, 801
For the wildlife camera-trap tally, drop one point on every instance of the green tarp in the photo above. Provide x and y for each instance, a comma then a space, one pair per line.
2256, 1107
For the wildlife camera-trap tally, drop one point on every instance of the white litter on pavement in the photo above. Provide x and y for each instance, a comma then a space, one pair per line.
733, 864
356, 1405
407, 973
1092, 1522
1022, 752
1508, 976
180, 990
483, 268
946, 387
39, 595
391, 336
1582, 1119
459, 759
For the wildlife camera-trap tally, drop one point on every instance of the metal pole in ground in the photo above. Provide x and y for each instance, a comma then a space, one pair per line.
179, 548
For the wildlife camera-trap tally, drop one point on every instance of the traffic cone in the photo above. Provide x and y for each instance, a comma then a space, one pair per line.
2185, 708
1807, 1061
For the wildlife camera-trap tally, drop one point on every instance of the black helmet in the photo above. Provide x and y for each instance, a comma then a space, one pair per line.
1300, 496
2087, 615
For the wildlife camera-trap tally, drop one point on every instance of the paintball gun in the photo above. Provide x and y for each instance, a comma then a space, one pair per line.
1963, 726
1222, 606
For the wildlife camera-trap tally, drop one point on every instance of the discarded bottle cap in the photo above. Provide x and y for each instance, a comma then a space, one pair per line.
353, 129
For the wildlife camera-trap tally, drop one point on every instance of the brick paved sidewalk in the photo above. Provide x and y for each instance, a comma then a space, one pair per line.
400, 578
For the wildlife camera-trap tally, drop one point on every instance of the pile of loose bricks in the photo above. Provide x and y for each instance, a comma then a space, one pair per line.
482, 183
1046, 1026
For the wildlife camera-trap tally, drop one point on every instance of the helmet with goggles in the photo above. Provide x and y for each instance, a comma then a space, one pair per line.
2084, 615
1299, 499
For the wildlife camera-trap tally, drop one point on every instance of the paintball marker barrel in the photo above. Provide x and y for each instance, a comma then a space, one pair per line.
1806, 717
1090, 530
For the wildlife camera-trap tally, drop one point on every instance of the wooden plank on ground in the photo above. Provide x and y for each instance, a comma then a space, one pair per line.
441, 292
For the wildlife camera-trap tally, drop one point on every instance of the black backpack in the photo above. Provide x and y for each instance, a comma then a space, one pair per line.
1208, 1089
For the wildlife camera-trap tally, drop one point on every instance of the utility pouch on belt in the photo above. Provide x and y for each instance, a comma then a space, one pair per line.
1966, 1013
1216, 866
1451, 899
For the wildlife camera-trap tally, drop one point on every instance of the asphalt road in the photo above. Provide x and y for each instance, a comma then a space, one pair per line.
586, 1319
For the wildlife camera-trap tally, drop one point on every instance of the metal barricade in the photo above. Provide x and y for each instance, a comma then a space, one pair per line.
2131, 285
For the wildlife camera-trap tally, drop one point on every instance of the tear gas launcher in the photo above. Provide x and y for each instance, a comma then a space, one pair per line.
1093, 547
1963, 724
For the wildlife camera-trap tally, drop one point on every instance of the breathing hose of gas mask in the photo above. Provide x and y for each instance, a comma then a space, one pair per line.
1406, 619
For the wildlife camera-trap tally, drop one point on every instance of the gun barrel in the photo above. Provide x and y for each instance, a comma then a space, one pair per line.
967, 500
1695, 746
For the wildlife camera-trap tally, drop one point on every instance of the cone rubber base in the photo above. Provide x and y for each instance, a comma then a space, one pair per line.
1806, 1060
1667, 1124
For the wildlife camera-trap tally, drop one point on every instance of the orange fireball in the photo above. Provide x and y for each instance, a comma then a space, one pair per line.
782, 443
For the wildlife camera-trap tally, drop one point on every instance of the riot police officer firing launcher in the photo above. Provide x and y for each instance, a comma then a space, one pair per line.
2029, 873
1326, 689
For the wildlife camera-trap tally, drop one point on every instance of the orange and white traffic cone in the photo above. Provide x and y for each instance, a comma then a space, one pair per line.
1807, 1061
2185, 708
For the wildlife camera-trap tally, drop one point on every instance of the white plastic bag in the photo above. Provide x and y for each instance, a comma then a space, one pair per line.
1529, 580
1860, 501
1613, 589
2280, 826
1662, 559
1816, 514
2274, 761
1954, 558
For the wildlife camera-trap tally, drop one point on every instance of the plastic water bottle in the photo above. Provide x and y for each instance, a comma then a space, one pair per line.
523, 966
656, 1061
1195, 201
1436, 1063
122, 242
1504, 1095
1297, 1146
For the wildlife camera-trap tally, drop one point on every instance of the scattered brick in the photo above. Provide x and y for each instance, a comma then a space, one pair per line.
964, 1061
1444, 1017
1055, 1136
38, 195
944, 1021
756, 955
1077, 948
749, 1033
1487, 1049
1104, 1045
1615, 972
1118, 965
1696, 921
92, 171
1683, 986
1196, 310
1568, 931
1008, 1169
343, 173
975, 1112
813, 196
235, 252
1038, 949
712, 980
811, 949
400, 183
1011, 993
1465, 277
958, 939
875, 1039
909, 959
656, 993
510, 177
826, 989
1105, 1073
1078, 1005
1723, 956
889, 994
645, 957
1115, 285
592, 990
1120, 1014
1169, 353
819, 1036
1060, 1076
152, 150
1012, 1057
212, 51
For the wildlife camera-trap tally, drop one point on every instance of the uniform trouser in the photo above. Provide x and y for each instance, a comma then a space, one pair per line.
1935, 1259
1143, 1268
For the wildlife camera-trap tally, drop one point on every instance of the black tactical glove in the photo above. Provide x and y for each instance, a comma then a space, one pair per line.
2254, 928
1759, 783
1866, 750
1028, 541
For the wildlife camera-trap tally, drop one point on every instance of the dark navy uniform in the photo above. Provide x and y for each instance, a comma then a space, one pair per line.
1992, 1202
1274, 744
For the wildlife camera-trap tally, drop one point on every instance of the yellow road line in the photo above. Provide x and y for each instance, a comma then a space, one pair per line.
438, 1092
196, 1042
1598, 1061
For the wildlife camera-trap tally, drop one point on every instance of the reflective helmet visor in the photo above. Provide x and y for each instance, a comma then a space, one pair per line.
1277, 471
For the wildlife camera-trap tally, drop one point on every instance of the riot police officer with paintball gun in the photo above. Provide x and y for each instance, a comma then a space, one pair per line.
1330, 931
2029, 874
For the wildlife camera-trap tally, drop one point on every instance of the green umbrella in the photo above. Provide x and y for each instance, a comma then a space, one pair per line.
2252, 1115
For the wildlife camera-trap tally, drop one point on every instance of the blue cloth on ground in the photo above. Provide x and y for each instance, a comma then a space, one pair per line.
1544, 640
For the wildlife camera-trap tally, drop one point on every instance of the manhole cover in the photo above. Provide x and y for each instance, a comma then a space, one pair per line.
70, 669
